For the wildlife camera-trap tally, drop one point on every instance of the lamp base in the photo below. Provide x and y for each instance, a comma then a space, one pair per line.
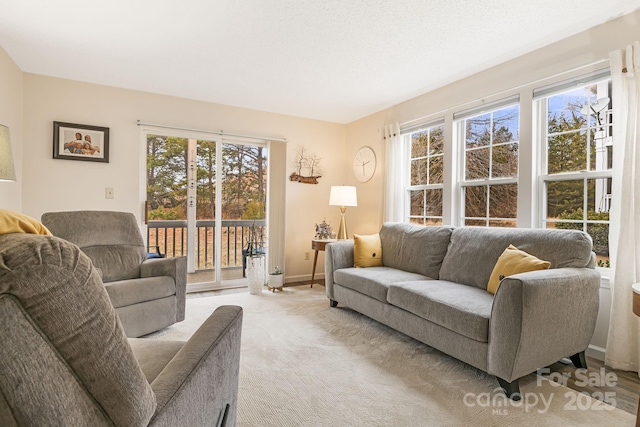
342, 230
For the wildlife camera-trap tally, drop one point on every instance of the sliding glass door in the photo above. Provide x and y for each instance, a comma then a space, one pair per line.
204, 197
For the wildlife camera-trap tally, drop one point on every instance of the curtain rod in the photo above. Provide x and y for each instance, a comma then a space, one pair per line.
455, 107
221, 132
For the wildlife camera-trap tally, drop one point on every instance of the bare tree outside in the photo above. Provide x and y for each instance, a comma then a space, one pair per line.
491, 152
426, 176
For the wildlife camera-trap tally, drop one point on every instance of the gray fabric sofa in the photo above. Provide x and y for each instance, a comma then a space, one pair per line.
148, 294
432, 287
65, 360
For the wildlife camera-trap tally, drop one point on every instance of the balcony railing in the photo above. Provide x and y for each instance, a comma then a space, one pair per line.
170, 238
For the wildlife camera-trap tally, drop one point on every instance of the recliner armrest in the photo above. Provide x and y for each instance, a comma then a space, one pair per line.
196, 386
174, 267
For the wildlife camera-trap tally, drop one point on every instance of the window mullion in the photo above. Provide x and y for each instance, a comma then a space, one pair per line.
572, 176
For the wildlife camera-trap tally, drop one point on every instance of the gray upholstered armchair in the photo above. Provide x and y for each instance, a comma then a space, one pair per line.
148, 294
65, 360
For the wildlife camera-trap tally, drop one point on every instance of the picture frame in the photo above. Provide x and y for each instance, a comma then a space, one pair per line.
72, 141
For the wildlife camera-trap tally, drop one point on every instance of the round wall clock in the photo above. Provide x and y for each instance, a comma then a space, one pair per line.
364, 164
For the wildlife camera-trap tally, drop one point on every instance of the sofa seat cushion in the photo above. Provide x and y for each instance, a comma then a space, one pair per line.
133, 291
373, 281
459, 308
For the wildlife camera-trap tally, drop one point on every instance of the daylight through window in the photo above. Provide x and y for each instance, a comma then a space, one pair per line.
488, 166
490, 183
578, 162
427, 162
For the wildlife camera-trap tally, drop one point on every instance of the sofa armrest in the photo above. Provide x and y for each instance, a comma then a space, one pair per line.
175, 268
540, 317
337, 255
196, 386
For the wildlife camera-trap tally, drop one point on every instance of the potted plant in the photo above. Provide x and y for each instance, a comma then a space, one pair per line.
276, 279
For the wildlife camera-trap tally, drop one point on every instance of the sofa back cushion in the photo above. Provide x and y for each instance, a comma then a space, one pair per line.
414, 248
474, 251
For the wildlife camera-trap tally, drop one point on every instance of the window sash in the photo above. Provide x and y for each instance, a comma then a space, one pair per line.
533, 138
487, 108
584, 80
421, 126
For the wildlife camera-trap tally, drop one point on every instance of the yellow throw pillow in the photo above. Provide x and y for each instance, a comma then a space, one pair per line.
14, 222
367, 250
513, 261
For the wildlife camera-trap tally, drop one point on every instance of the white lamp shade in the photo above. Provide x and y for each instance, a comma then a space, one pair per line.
7, 171
343, 195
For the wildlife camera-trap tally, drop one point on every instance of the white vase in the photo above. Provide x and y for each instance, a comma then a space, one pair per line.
255, 274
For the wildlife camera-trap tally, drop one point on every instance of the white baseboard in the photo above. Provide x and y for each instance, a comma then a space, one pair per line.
595, 352
212, 286
303, 278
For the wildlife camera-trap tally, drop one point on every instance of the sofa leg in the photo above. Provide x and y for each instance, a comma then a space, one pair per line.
225, 416
333, 303
579, 360
511, 389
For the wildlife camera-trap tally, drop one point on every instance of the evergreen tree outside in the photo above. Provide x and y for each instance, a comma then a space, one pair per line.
166, 177
572, 144
243, 170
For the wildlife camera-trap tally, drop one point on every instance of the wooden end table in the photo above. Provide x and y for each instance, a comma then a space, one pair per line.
318, 245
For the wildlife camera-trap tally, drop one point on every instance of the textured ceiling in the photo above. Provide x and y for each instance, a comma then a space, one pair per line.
335, 60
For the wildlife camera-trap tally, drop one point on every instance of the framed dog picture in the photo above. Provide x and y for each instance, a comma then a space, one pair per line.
72, 141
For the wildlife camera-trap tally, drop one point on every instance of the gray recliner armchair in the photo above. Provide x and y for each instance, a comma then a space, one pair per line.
148, 294
65, 360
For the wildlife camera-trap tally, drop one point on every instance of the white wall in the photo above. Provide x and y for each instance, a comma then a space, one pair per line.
521, 73
11, 116
54, 185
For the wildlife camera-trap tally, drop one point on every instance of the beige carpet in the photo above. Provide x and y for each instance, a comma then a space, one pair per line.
306, 364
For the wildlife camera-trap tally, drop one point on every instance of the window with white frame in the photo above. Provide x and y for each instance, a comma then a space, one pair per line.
575, 128
566, 179
489, 181
426, 175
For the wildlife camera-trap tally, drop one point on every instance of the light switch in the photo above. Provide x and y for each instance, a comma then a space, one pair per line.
108, 193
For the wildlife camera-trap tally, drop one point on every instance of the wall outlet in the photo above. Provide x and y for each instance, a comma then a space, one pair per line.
306, 256
108, 193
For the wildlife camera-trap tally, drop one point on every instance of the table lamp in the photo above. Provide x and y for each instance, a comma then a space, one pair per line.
7, 171
343, 196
